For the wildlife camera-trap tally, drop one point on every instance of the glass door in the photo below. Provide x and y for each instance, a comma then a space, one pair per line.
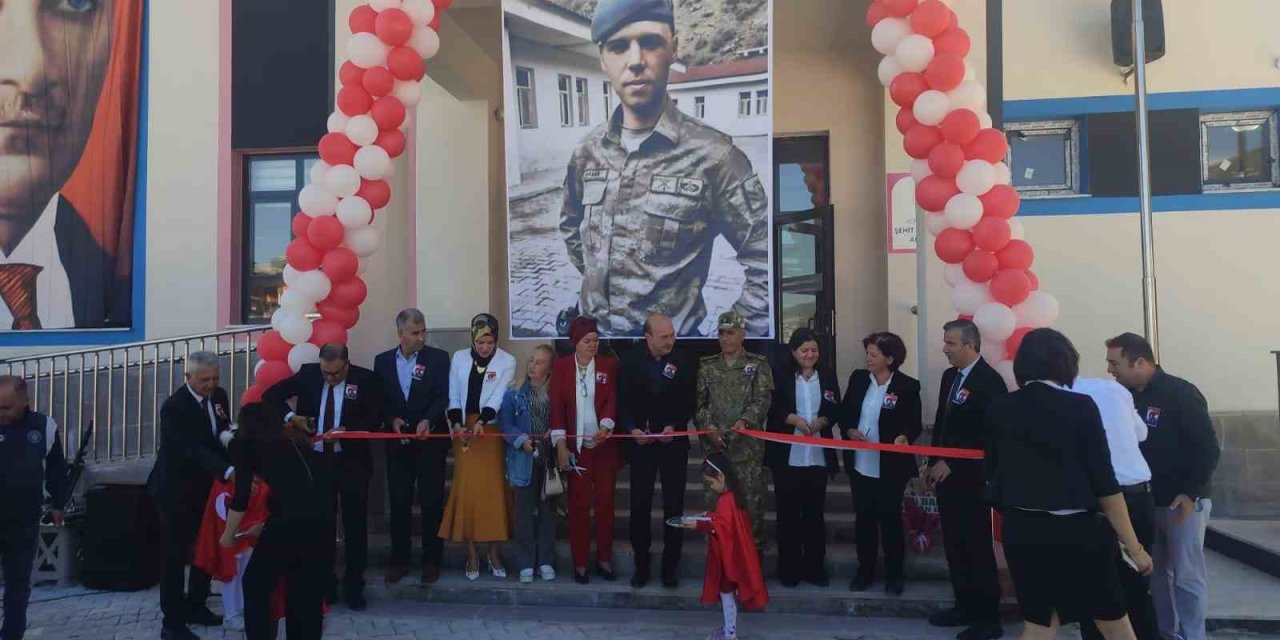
803, 246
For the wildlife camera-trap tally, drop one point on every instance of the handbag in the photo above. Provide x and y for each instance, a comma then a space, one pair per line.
552, 483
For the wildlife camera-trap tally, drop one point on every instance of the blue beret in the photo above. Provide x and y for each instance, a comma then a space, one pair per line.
612, 15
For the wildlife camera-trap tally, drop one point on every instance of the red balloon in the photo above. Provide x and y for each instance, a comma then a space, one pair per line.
325, 331
930, 18
326, 232
960, 126
363, 19
354, 101
945, 72
920, 140
273, 347
876, 12
300, 223
388, 112
1001, 201
989, 145
442, 5
1010, 287
337, 148
1016, 255
393, 27
980, 266
946, 160
992, 233
953, 21
350, 75
1035, 282
434, 25
378, 81
301, 255
272, 372
905, 121
906, 87
899, 8
953, 245
392, 142
348, 294
345, 316
406, 64
252, 395
933, 192
964, 317
1014, 341
340, 265
954, 41
376, 192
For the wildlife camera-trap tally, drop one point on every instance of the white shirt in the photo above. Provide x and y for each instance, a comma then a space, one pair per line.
1123, 426
339, 394
213, 421
588, 425
808, 402
868, 462
53, 288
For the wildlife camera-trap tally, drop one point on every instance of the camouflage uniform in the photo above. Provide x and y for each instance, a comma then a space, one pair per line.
640, 227
729, 392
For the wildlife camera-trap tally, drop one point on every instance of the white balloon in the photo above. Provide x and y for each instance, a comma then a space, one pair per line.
276, 318
963, 211
383, 5
313, 284
316, 201
1016, 230
425, 41
976, 177
887, 33
338, 122
421, 12
920, 170
296, 301
993, 348
364, 265
953, 274
888, 70
969, 72
391, 171
969, 95
303, 353
364, 242
984, 119
931, 107
969, 296
342, 181
355, 213
362, 130
294, 326
1004, 175
1005, 369
935, 223
995, 321
318, 171
408, 92
290, 276
914, 52
365, 50
1039, 310
372, 162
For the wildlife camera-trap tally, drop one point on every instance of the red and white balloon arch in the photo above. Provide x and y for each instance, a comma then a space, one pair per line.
961, 180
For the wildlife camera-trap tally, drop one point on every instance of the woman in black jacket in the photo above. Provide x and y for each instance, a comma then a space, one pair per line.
881, 404
805, 399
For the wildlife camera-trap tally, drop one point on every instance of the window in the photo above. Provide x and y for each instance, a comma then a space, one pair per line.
271, 197
607, 92
525, 100
1045, 157
1239, 151
584, 113
699, 107
762, 102
744, 104
566, 100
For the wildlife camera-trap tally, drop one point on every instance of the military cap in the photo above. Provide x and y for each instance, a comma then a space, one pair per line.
731, 320
612, 15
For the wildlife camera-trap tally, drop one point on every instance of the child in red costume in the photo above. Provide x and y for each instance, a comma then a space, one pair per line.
733, 563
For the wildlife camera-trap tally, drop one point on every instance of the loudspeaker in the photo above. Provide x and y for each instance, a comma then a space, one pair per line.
1122, 30
121, 548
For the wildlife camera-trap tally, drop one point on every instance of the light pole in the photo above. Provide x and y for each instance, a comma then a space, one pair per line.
1149, 306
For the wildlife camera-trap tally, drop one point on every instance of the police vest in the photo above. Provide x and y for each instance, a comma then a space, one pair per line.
23, 449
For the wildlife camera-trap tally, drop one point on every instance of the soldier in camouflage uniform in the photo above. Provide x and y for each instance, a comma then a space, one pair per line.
648, 191
734, 389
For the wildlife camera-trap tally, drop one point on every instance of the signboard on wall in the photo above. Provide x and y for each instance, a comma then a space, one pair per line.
900, 219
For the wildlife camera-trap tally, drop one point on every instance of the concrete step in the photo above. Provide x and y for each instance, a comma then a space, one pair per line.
1254, 542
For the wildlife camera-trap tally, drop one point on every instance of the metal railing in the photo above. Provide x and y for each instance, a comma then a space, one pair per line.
120, 388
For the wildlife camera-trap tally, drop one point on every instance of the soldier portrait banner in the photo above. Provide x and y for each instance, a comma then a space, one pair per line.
638, 163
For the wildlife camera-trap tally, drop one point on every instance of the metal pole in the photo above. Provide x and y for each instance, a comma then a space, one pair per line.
1149, 315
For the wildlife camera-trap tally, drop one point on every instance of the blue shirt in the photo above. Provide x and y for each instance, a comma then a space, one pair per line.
404, 370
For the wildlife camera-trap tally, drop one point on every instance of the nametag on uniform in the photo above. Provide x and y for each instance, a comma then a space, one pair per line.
595, 174
419, 371
890, 401
665, 184
829, 396
352, 392
491, 376
602, 378
691, 187
961, 396
750, 370
669, 371
1153, 417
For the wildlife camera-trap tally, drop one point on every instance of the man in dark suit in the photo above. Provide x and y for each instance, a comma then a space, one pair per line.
189, 458
967, 388
415, 391
656, 396
335, 395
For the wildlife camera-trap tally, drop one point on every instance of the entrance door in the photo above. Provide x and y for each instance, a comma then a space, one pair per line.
803, 245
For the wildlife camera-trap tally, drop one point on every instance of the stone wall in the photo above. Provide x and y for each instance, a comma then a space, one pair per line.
1247, 482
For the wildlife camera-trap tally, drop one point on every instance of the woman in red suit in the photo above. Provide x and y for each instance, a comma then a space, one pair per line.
583, 410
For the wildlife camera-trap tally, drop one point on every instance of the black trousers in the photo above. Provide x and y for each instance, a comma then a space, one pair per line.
289, 554
17, 554
1136, 587
648, 462
801, 495
966, 532
181, 524
421, 464
351, 493
877, 506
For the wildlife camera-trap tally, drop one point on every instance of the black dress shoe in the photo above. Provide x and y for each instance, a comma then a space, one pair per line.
670, 581
356, 602
581, 577
607, 574
177, 633
204, 617
950, 618
982, 631
895, 586
861, 583
641, 578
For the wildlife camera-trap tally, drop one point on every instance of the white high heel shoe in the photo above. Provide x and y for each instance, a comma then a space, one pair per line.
498, 572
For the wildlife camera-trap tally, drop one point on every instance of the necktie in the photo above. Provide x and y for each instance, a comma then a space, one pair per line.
955, 390
18, 290
327, 423
204, 408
